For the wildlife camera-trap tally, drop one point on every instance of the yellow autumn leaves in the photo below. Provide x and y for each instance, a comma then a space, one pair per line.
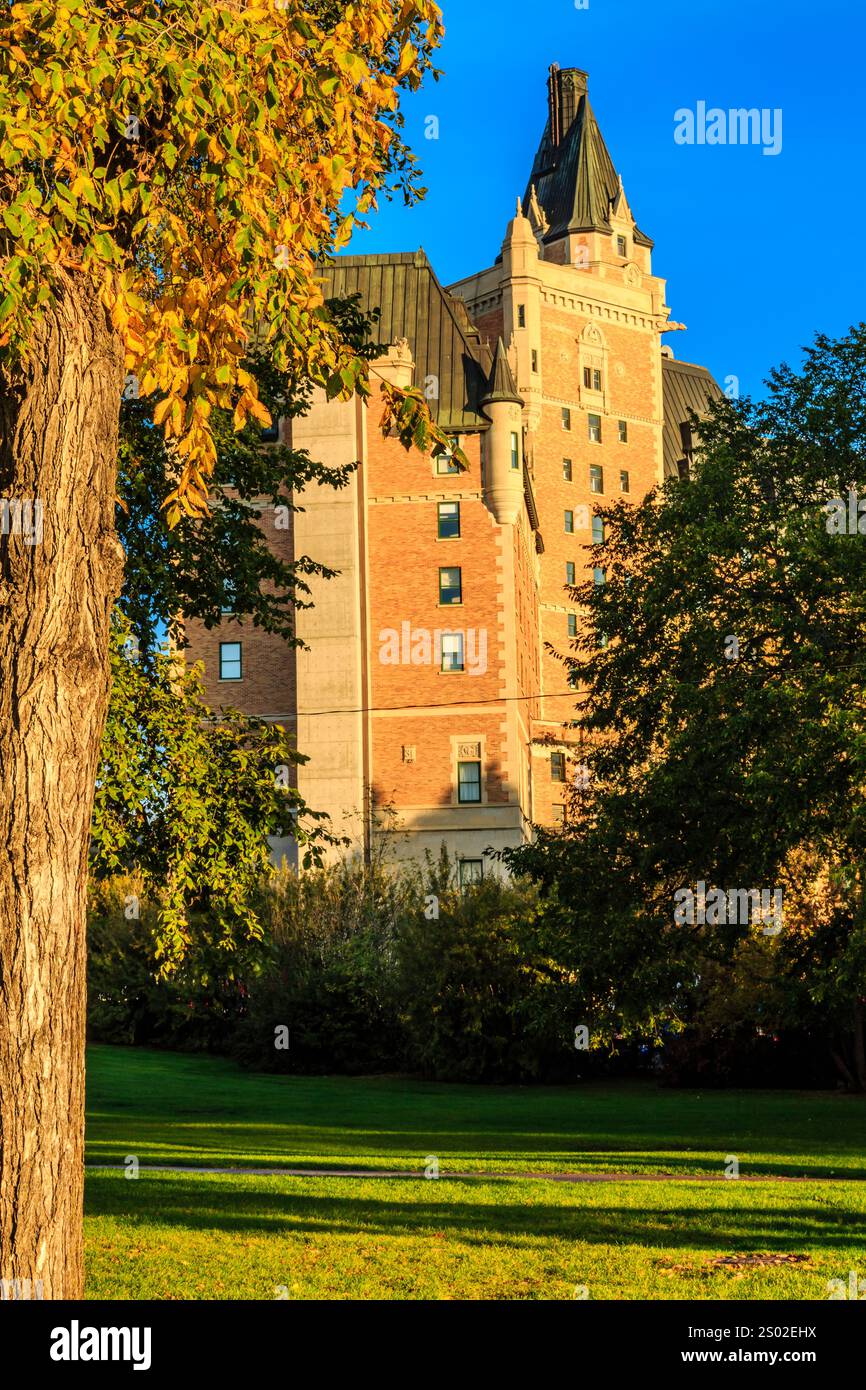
208, 223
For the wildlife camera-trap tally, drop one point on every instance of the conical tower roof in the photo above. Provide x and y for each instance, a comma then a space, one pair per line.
575, 182
501, 385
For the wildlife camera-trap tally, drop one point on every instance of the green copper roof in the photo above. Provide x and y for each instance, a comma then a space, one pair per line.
573, 175
444, 343
686, 387
501, 385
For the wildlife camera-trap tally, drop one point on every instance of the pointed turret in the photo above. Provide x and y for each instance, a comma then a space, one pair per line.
574, 179
501, 385
503, 471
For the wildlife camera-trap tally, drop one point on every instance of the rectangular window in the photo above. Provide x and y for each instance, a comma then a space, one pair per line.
566, 418
557, 767
445, 464
231, 661
515, 449
521, 316
598, 575
597, 530
534, 359
558, 814
623, 480
587, 378
569, 571
450, 585
229, 600
596, 379
566, 470
574, 680
452, 651
470, 871
569, 523
595, 429
572, 624
449, 521
469, 783
623, 432
596, 477
621, 246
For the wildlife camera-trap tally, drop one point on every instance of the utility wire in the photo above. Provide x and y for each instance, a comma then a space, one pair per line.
445, 704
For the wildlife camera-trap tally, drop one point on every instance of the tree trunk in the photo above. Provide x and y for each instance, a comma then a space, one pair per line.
58, 452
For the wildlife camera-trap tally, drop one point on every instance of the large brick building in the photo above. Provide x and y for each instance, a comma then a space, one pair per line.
430, 682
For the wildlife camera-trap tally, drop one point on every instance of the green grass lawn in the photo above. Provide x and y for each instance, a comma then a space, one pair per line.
169, 1235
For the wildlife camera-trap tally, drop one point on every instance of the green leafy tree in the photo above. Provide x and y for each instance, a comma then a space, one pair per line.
725, 720
186, 799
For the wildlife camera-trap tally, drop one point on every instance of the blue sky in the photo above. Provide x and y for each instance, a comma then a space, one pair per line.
758, 251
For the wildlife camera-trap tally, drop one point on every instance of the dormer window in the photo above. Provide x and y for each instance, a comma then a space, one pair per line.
621, 246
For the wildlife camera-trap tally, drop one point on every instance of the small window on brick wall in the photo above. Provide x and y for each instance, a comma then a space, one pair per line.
449, 521
450, 585
469, 783
557, 767
445, 463
231, 661
452, 651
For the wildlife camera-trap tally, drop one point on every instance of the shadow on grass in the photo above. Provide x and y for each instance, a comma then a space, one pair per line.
257, 1146
199, 1205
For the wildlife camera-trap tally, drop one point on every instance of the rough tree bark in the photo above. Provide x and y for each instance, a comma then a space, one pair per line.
58, 447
